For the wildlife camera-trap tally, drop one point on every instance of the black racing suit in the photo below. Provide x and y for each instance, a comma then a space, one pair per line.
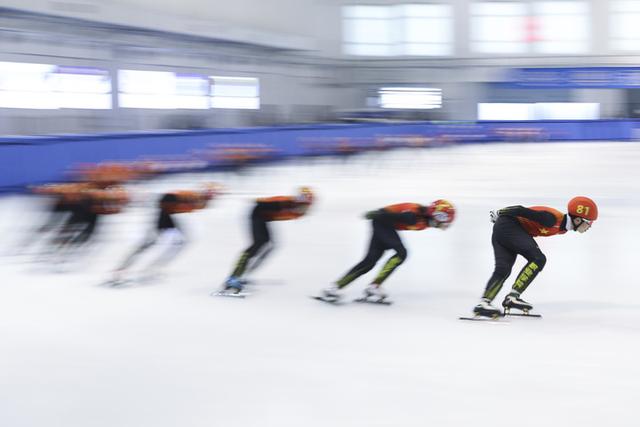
261, 245
164, 222
510, 239
384, 237
81, 224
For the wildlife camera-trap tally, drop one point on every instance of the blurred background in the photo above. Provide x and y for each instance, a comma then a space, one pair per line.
465, 70
87, 66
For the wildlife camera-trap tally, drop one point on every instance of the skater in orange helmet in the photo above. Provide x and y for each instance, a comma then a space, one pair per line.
278, 208
166, 235
386, 223
513, 232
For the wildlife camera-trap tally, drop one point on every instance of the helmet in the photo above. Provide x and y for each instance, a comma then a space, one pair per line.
305, 195
583, 207
441, 212
211, 190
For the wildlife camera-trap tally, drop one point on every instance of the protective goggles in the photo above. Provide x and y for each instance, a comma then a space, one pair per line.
585, 224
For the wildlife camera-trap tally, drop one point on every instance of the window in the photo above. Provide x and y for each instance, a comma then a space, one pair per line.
168, 90
625, 31
192, 91
425, 29
548, 27
235, 92
505, 111
406, 29
562, 27
81, 87
539, 111
368, 30
499, 27
162, 90
47, 86
418, 98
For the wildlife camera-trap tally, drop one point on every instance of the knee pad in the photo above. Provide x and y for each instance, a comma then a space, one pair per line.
540, 260
401, 253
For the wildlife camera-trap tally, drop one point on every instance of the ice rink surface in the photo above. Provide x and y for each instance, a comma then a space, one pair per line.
166, 354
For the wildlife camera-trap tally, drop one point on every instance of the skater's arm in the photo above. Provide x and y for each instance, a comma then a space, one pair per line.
544, 218
407, 218
276, 204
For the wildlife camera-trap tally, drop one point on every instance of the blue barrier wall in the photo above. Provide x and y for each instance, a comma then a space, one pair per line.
30, 160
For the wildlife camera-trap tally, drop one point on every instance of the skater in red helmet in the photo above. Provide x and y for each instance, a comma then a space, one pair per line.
513, 233
386, 222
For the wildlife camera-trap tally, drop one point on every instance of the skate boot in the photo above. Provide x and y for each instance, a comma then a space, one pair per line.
117, 278
514, 301
233, 285
374, 293
485, 309
331, 294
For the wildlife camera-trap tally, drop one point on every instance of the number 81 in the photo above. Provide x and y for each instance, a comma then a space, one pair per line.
582, 209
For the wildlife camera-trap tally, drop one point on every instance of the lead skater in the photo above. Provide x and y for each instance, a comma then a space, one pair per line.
513, 232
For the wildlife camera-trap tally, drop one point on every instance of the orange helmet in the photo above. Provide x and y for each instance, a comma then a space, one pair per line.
305, 195
211, 190
583, 207
442, 212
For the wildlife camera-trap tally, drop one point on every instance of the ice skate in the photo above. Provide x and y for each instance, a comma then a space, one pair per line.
485, 309
330, 295
117, 281
233, 287
514, 301
374, 294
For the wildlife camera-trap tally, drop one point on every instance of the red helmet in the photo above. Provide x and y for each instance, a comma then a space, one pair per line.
583, 207
442, 212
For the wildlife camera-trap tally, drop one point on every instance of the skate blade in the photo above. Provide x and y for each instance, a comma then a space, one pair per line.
478, 318
229, 294
372, 301
326, 300
522, 314
116, 283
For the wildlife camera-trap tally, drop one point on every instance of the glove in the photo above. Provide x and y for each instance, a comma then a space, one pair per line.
371, 214
493, 216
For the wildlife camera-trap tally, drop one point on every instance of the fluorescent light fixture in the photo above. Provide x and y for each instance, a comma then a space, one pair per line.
416, 98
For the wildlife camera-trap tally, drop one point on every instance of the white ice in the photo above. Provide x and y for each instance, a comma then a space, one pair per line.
165, 354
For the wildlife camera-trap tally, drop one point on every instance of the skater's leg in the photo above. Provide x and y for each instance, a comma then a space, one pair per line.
535, 263
504, 260
55, 220
129, 260
518, 241
171, 241
56, 217
391, 239
368, 262
87, 231
262, 254
261, 237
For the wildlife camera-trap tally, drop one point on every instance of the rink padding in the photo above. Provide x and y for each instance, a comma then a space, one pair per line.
37, 159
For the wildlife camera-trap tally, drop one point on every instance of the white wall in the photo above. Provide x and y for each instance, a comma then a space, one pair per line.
293, 88
290, 24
